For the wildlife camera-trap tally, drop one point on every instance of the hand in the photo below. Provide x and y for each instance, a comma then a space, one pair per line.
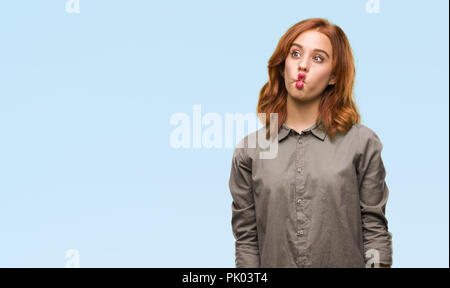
380, 266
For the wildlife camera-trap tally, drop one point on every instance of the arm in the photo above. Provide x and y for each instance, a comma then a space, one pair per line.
373, 198
243, 211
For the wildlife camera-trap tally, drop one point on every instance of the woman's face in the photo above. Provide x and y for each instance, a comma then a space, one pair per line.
310, 54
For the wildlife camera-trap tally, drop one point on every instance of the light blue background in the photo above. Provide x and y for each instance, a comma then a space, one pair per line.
85, 103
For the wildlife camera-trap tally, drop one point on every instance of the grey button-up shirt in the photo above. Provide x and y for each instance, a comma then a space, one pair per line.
318, 203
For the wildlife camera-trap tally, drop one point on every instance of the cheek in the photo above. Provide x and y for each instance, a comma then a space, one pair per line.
289, 71
322, 75
289, 67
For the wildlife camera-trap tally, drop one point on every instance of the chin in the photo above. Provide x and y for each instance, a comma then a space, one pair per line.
302, 96
299, 95
300, 92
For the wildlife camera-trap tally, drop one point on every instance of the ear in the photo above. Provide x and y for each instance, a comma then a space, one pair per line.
332, 80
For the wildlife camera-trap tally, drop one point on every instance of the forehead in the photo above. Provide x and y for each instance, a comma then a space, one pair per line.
314, 40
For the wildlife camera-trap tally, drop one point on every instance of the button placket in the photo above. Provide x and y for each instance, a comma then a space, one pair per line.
300, 203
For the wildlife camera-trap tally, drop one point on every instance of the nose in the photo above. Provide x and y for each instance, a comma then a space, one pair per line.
303, 65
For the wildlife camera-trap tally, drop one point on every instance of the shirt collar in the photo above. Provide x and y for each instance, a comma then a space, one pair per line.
316, 130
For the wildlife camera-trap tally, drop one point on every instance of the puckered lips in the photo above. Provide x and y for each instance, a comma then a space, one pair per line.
301, 78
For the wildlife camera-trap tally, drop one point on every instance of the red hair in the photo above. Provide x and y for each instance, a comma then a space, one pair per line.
337, 109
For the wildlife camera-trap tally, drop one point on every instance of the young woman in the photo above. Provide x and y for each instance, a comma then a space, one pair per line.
321, 201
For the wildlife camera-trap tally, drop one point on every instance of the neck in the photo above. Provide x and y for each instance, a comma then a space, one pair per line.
301, 114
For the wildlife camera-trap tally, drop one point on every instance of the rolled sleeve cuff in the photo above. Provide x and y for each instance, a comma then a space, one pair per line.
247, 255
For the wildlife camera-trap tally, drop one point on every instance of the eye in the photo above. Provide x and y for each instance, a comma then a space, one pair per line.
321, 58
296, 53
293, 53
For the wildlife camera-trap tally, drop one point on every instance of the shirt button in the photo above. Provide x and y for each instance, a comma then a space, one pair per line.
300, 141
299, 170
299, 201
300, 232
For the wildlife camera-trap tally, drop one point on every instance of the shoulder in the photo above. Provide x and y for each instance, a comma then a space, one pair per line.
365, 131
247, 146
367, 137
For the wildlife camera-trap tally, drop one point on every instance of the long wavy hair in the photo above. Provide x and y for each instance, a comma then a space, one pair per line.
337, 109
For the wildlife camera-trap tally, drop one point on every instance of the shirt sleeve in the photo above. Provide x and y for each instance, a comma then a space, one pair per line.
373, 198
243, 211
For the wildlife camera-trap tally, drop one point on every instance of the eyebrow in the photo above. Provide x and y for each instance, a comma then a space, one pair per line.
319, 50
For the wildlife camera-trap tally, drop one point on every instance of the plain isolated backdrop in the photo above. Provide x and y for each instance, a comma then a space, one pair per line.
85, 103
